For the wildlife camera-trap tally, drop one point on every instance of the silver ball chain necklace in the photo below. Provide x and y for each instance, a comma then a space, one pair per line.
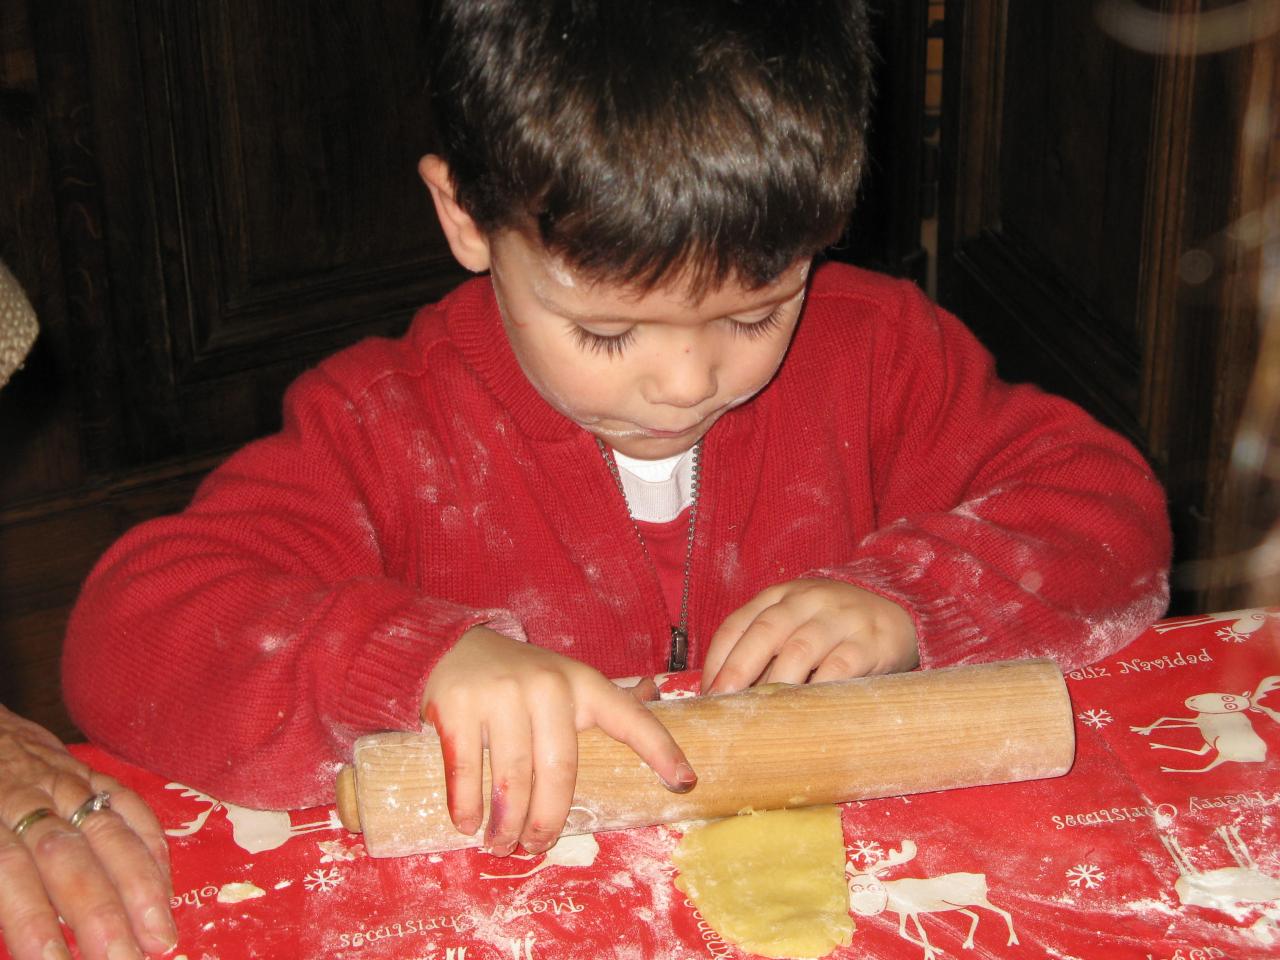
678, 658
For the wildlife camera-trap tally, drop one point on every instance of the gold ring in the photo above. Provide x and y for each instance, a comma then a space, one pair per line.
35, 816
99, 801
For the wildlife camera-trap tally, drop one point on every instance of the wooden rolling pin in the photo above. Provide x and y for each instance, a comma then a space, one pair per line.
765, 748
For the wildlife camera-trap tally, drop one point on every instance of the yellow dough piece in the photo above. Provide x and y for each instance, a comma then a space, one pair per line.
772, 883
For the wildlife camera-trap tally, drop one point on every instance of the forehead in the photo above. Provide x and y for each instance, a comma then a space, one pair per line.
559, 287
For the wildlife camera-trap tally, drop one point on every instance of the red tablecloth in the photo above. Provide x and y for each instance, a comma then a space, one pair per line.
1162, 842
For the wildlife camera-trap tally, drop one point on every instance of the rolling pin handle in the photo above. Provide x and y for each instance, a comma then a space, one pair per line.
348, 808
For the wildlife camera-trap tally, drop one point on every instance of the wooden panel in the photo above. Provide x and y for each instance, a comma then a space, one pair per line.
257, 175
1085, 188
1047, 126
298, 137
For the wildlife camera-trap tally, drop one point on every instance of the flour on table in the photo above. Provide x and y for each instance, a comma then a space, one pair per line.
239, 892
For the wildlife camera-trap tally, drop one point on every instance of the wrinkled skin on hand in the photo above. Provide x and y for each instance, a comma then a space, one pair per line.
109, 879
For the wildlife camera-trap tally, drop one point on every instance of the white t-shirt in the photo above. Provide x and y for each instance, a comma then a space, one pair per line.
657, 491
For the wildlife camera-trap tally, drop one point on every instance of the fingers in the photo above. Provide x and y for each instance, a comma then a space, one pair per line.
645, 690
140, 819
750, 647
108, 877
511, 769
725, 641
140, 878
526, 705
27, 919
806, 648
629, 722
809, 630
843, 661
462, 748
83, 880
555, 748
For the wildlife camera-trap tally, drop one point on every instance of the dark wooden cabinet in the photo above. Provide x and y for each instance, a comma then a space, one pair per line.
1092, 167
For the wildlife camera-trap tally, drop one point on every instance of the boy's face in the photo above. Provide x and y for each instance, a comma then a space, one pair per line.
648, 374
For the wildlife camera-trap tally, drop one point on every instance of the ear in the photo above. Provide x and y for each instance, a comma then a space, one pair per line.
470, 245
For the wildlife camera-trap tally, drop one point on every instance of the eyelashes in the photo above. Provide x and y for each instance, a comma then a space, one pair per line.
615, 346
598, 344
758, 328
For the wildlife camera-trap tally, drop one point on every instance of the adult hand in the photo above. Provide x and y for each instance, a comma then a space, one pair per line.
809, 630
527, 704
108, 878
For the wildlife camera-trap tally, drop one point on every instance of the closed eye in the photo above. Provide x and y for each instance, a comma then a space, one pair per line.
754, 329
611, 346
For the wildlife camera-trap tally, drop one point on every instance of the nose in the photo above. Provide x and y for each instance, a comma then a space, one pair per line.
682, 376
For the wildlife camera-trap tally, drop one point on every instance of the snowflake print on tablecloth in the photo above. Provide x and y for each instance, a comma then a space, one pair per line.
868, 851
1095, 718
1230, 634
323, 880
1085, 875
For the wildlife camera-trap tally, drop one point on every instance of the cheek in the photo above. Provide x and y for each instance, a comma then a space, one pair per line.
558, 370
750, 367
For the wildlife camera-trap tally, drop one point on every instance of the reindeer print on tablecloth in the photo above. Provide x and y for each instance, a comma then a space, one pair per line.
1224, 727
572, 851
1237, 625
870, 894
253, 831
1235, 891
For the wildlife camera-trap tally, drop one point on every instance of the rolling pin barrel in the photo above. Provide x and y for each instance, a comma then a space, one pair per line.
765, 748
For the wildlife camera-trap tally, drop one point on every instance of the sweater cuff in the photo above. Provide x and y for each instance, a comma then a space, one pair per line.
386, 678
946, 634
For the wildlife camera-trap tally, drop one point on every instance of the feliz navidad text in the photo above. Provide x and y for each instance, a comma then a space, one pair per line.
1137, 665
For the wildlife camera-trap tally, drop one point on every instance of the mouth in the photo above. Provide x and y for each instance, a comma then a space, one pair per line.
641, 430
665, 434
668, 434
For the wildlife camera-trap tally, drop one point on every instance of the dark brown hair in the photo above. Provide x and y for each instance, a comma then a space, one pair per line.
649, 140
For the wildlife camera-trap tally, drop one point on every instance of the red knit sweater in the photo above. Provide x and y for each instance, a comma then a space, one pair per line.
421, 486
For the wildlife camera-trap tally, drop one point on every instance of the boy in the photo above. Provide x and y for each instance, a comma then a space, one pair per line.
654, 436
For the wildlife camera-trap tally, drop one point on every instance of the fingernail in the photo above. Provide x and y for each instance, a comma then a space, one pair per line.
685, 780
119, 950
469, 826
55, 950
503, 849
160, 925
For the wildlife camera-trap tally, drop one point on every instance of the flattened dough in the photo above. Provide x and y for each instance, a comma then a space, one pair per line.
772, 883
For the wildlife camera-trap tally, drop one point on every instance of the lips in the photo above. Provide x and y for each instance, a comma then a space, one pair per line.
672, 433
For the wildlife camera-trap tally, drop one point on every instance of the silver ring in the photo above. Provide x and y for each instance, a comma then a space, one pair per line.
99, 801
34, 817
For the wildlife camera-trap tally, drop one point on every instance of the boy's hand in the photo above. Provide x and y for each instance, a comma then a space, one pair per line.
809, 630
527, 704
